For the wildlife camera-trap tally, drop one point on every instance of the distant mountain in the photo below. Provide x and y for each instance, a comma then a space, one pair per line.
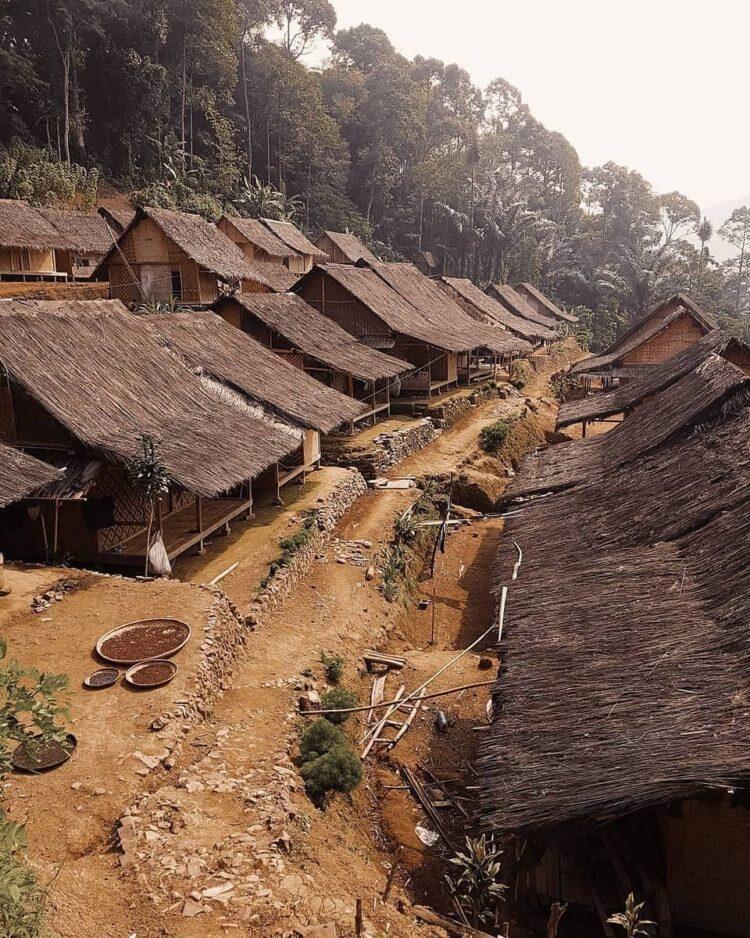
717, 215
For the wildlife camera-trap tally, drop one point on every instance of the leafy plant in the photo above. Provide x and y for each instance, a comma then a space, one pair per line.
334, 667
319, 738
152, 308
338, 699
339, 769
266, 201
521, 376
395, 564
478, 885
492, 438
630, 920
150, 479
21, 897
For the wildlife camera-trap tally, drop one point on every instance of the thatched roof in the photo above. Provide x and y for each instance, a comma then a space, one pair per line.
86, 232
118, 219
625, 658
276, 277
99, 371
293, 238
20, 475
205, 341
317, 336
505, 294
695, 398
490, 311
260, 236
644, 329
389, 306
528, 290
350, 246
436, 307
598, 406
23, 226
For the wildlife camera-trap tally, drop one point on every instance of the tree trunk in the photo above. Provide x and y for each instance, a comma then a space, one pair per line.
248, 125
183, 97
148, 534
741, 267
77, 116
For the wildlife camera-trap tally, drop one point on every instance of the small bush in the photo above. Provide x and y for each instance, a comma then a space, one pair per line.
521, 376
340, 769
492, 438
338, 699
394, 568
334, 667
21, 897
319, 738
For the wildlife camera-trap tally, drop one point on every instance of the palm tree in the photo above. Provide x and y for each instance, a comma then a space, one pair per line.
704, 231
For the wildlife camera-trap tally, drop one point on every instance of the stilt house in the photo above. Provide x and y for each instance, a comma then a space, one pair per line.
669, 328
344, 248
82, 382
485, 309
88, 237
226, 358
307, 339
306, 252
542, 303
261, 246
28, 243
519, 306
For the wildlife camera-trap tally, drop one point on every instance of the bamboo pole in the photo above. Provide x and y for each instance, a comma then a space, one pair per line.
397, 700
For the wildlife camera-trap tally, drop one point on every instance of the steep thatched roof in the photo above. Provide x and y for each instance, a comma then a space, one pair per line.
23, 226
529, 291
488, 310
317, 336
205, 341
83, 231
260, 236
293, 238
697, 396
436, 307
625, 658
601, 405
99, 371
505, 294
389, 306
20, 475
644, 329
118, 219
350, 246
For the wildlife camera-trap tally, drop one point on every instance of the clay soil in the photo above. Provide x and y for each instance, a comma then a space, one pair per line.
227, 841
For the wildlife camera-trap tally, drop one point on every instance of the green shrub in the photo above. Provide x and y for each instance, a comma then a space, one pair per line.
492, 438
319, 738
340, 769
334, 667
394, 568
521, 376
21, 897
338, 699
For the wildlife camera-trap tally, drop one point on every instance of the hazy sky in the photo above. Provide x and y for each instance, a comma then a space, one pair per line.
659, 86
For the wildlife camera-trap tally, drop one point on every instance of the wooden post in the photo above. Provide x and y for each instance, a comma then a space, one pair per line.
199, 522
358, 919
583, 429
56, 528
4, 590
277, 499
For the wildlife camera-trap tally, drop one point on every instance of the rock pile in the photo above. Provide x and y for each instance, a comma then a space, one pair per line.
43, 601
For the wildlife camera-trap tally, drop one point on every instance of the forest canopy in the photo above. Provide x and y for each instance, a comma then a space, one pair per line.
207, 104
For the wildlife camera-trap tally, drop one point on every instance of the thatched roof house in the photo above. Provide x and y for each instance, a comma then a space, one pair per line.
259, 244
518, 305
669, 328
164, 253
21, 474
344, 248
290, 235
485, 309
88, 238
621, 400
702, 393
542, 303
306, 338
117, 219
618, 754
28, 242
51, 350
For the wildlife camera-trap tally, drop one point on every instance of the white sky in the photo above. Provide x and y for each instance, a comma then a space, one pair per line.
660, 86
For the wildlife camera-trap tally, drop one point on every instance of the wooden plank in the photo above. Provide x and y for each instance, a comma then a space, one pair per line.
377, 695
427, 915
378, 729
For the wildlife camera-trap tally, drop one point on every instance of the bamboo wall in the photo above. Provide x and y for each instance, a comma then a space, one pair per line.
677, 336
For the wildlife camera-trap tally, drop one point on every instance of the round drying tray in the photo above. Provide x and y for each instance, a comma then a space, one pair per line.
104, 677
143, 640
153, 673
47, 757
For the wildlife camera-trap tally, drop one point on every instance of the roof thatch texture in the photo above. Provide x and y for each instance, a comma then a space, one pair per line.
205, 341
260, 236
436, 307
601, 405
351, 247
698, 396
389, 306
488, 310
20, 475
317, 336
519, 306
293, 238
645, 328
23, 226
527, 290
625, 657
86, 232
118, 219
99, 371
276, 277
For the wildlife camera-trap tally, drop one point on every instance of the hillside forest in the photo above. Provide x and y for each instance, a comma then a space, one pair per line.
265, 108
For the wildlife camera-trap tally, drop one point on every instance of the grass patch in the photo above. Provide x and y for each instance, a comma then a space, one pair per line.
290, 546
333, 666
338, 699
491, 438
521, 375
395, 568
